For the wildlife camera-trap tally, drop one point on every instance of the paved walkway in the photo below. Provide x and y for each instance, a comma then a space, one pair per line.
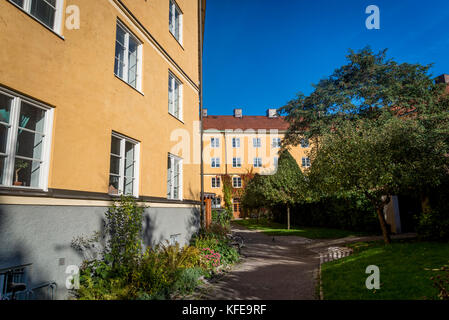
282, 269
275, 268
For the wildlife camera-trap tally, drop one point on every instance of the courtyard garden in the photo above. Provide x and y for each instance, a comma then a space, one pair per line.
123, 269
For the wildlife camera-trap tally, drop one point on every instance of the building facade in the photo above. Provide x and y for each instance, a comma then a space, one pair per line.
237, 145
93, 98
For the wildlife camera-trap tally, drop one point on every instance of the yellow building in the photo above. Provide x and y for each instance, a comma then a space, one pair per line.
93, 95
237, 145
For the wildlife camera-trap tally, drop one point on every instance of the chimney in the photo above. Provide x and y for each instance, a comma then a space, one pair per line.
204, 113
238, 113
272, 113
444, 78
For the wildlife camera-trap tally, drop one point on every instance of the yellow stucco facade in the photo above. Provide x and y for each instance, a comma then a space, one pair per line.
72, 72
245, 149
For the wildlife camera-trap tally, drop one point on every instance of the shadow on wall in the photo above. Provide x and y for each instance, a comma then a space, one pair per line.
15, 254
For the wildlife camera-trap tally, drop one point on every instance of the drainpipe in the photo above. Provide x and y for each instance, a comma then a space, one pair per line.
200, 65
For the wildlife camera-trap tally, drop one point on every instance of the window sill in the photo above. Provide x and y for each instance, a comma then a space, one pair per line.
38, 21
135, 89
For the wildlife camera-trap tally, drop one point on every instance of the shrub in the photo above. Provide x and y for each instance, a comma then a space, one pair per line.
124, 230
187, 280
433, 225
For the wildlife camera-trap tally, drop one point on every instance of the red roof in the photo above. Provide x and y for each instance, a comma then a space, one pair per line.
244, 123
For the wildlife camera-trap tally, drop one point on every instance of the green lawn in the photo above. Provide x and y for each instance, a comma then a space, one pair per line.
277, 229
405, 271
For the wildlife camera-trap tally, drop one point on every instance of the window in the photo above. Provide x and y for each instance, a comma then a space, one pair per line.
48, 12
216, 202
215, 163
257, 142
174, 178
276, 143
257, 162
236, 142
174, 96
124, 166
25, 134
215, 182
306, 162
304, 143
236, 162
128, 57
175, 21
236, 204
237, 182
276, 161
215, 142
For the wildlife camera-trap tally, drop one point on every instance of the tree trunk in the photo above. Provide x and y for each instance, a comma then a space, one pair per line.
383, 225
425, 204
288, 218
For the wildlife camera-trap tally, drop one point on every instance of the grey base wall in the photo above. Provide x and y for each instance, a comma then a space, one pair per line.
42, 236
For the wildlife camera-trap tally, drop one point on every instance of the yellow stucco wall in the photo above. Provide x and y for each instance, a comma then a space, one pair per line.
75, 75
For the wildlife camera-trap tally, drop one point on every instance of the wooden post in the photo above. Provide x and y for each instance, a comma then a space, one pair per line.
208, 207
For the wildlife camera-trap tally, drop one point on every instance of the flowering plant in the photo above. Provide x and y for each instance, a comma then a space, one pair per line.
210, 258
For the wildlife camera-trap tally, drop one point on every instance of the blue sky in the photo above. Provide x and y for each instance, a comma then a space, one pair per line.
259, 53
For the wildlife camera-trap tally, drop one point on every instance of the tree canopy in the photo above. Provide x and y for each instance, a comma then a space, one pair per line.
382, 129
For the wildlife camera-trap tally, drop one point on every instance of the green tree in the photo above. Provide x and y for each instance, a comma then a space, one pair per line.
285, 187
380, 128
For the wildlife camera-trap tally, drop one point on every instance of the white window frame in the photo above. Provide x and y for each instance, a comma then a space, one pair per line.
216, 182
276, 143
172, 96
237, 185
236, 142
306, 162
305, 143
57, 24
123, 139
128, 35
171, 195
174, 6
215, 163
237, 162
257, 142
215, 142
11, 142
257, 162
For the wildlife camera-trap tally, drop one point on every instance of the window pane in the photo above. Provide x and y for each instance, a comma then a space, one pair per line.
44, 10
119, 52
18, 2
129, 186
3, 138
29, 144
170, 18
5, 108
32, 118
2, 169
115, 146
129, 160
113, 184
115, 165
26, 173
177, 24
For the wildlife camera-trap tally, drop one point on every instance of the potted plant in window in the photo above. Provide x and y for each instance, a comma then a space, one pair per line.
20, 164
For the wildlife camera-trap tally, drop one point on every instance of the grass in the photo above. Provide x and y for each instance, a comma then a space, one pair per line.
276, 229
405, 271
